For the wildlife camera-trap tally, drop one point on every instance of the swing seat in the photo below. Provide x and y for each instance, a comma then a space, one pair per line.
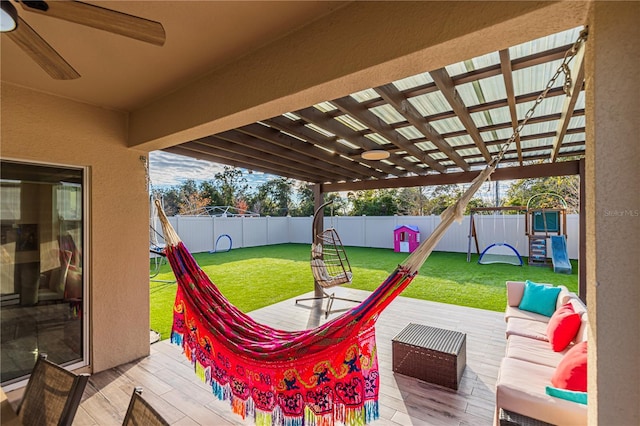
324, 279
329, 266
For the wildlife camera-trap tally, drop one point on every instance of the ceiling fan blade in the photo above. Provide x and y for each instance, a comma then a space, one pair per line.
41, 52
100, 18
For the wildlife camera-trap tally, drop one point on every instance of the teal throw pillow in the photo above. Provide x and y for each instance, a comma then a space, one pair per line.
539, 298
569, 395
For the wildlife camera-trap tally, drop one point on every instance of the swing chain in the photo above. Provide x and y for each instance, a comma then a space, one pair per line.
566, 87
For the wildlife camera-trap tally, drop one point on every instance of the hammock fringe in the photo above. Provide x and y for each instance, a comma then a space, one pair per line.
246, 409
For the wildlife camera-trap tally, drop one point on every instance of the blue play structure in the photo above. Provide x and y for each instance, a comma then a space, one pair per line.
547, 218
559, 255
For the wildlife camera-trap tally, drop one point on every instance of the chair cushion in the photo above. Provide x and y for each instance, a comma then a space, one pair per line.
539, 298
563, 327
571, 372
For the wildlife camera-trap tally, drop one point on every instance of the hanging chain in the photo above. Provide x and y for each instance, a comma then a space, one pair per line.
566, 87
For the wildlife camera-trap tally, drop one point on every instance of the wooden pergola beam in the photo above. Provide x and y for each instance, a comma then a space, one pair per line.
448, 89
377, 169
392, 95
562, 168
234, 160
222, 147
507, 76
237, 142
486, 72
291, 144
350, 106
569, 104
313, 115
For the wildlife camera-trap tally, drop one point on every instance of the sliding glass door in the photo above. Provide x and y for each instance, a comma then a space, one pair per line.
42, 297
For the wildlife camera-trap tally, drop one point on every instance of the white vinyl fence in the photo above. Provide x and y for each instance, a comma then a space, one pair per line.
199, 234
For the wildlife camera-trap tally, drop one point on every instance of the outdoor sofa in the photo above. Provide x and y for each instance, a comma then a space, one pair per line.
535, 380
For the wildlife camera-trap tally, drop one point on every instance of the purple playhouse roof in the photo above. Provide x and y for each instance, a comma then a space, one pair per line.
411, 227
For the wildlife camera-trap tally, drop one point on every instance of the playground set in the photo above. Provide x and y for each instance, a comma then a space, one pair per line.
545, 226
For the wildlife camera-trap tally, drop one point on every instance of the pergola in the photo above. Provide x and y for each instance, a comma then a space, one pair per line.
438, 127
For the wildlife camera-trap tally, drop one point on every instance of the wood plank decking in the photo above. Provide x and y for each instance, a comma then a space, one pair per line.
172, 387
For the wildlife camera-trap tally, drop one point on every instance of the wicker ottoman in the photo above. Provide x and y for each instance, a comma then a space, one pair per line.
430, 354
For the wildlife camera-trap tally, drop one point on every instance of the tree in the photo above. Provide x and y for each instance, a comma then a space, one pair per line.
169, 198
190, 200
568, 187
378, 202
209, 189
193, 203
231, 184
274, 197
443, 196
305, 205
412, 201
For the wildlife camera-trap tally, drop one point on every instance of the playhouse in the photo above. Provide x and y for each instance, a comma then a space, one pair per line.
406, 238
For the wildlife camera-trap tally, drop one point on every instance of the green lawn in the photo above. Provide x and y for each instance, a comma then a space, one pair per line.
254, 277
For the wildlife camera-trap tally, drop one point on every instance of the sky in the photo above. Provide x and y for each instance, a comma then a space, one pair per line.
166, 170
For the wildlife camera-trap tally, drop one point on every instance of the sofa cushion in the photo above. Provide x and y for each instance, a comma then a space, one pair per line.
571, 372
539, 298
533, 350
521, 387
515, 312
527, 328
563, 327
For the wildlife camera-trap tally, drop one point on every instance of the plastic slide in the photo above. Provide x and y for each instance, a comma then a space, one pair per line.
559, 255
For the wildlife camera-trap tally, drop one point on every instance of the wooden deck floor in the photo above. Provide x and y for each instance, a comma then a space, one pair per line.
171, 386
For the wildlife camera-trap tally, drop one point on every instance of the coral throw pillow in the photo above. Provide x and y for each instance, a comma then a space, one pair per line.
571, 372
563, 327
539, 298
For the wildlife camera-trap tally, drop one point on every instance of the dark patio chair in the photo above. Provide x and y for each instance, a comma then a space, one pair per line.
140, 413
52, 395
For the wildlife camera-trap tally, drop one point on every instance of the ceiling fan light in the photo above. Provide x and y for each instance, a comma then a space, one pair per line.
375, 154
8, 17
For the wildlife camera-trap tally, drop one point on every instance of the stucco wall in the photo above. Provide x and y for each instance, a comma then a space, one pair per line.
613, 212
45, 128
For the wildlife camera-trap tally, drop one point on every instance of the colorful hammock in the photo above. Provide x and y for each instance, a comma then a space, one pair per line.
317, 377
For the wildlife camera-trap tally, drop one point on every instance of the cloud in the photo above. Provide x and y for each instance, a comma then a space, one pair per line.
167, 169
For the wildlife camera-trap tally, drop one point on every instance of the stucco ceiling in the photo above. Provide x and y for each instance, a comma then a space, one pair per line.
126, 74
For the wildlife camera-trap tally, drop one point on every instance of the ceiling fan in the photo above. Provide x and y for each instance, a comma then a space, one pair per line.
80, 13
